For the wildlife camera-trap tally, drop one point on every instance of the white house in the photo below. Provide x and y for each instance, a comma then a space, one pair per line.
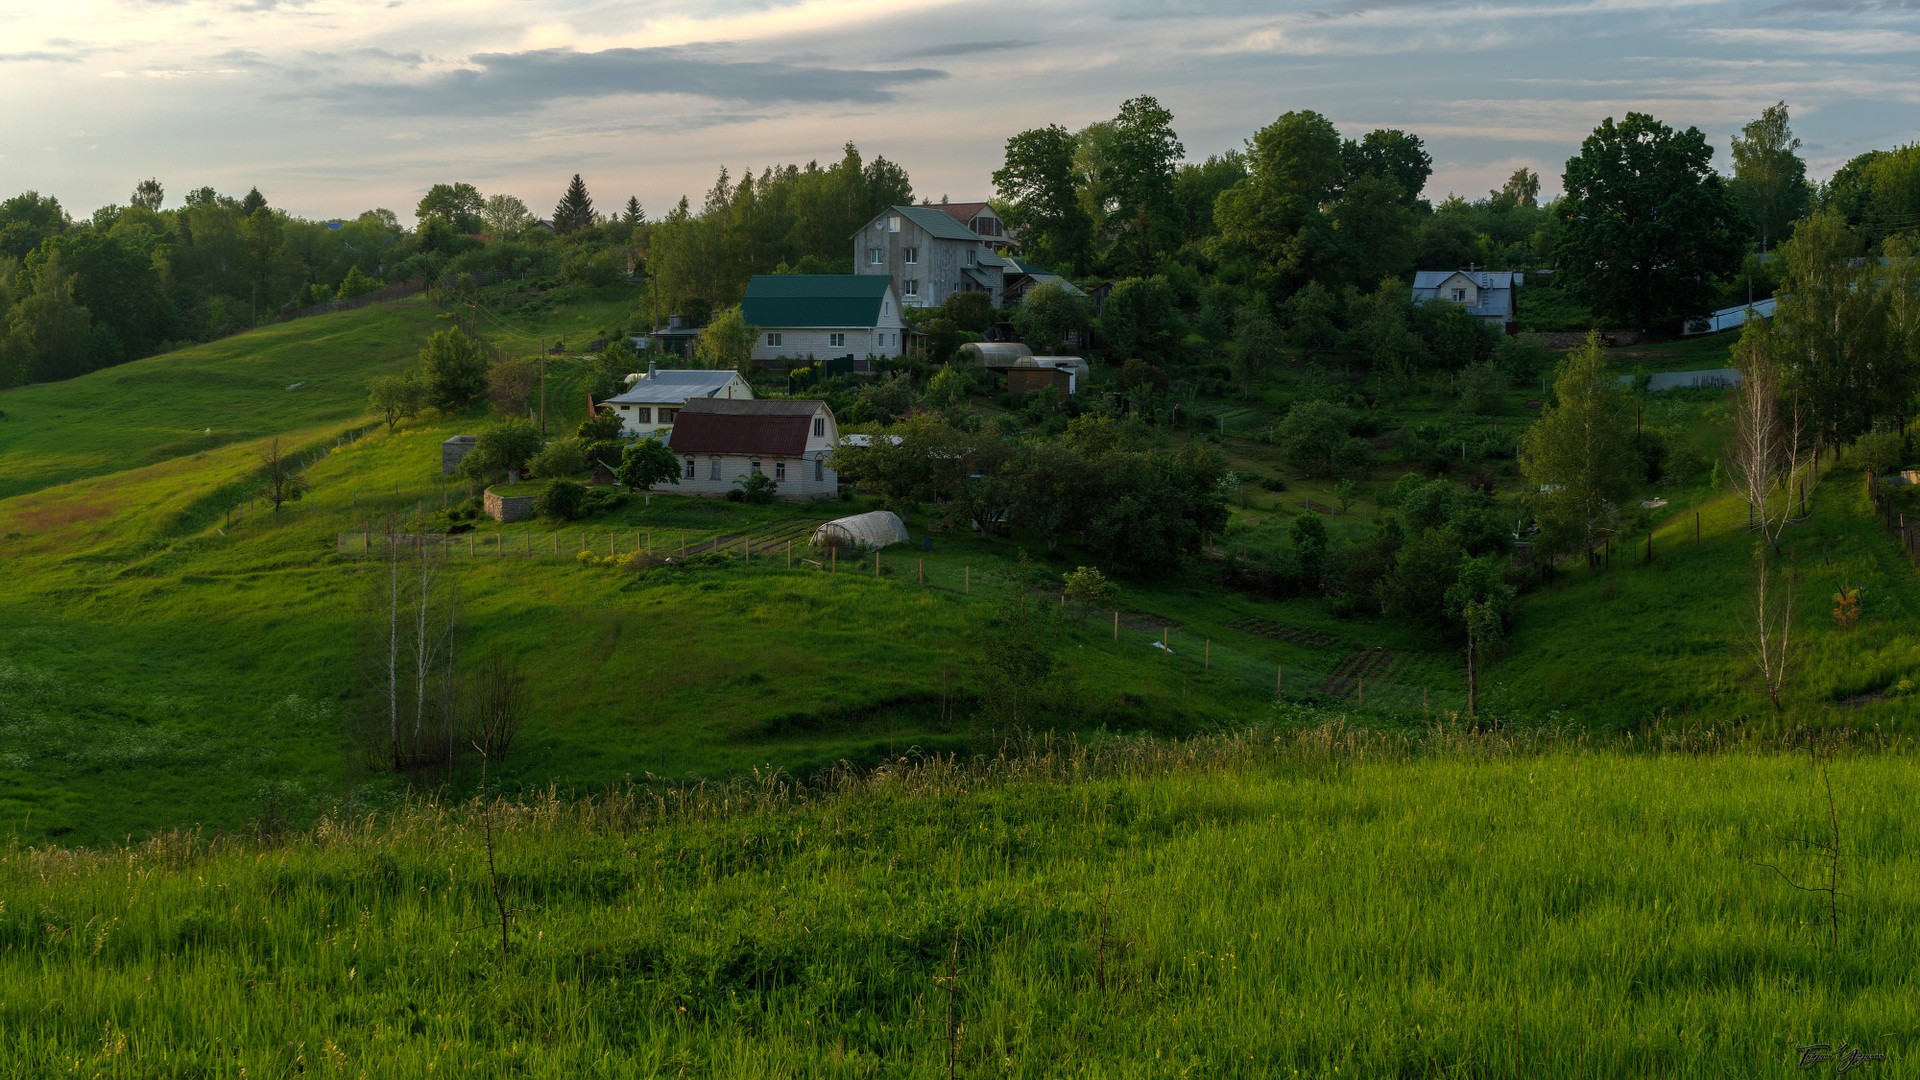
822, 316
722, 441
1487, 294
650, 405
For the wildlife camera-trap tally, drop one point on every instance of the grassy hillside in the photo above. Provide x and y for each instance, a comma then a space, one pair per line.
1295, 901
170, 654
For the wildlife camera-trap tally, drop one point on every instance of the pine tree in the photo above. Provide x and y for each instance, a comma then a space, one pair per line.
634, 215
574, 210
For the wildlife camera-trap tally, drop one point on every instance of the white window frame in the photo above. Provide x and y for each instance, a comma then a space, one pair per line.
819, 427
713, 468
820, 470
692, 471
910, 256
876, 256
893, 223
779, 472
753, 466
1459, 296
836, 341
910, 288
643, 414
773, 341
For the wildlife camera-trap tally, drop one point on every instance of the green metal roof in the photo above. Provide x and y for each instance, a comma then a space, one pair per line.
936, 221
777, 301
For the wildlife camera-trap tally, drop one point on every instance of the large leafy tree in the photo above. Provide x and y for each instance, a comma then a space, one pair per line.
1048, 313
1141, 155
574, 211
454, 370
26, 220
726, 342
1041, 200
1649, 226
1830, 334
1579, 457
1141, 319
49, 333
1273, 225
1391, 155
504, 215
458, 205
1769, 179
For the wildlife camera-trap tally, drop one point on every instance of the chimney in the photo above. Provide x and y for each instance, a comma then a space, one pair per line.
653, 369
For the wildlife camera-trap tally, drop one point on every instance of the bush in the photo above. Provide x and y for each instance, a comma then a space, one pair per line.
1089, 586
1481, 387
1879, 454
757, 488
563, 500
1314, 437
563, 457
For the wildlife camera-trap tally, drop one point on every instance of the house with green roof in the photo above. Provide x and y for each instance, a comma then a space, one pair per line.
929, 255
822, 316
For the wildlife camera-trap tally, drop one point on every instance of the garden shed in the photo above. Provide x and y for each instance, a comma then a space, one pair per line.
868, 532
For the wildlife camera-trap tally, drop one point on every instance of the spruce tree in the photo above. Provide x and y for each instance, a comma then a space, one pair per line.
634, 215
575, 208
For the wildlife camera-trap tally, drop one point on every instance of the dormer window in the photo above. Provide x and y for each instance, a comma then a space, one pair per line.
893, 222
1459, 296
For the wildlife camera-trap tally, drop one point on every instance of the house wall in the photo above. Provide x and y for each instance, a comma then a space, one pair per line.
633, 427
803, 479
938, 264
801, 343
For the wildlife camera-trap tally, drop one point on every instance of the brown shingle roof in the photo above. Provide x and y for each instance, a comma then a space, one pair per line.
963, 212
756, 427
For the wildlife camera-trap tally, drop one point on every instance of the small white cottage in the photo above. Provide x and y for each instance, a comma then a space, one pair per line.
648, 407
720, 442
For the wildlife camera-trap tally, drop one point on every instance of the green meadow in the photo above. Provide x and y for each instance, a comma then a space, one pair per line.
172, 654
1300, 899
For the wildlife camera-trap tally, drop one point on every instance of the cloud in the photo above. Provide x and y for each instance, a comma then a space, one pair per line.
501, 83
39, 56
968, 48
1855, 42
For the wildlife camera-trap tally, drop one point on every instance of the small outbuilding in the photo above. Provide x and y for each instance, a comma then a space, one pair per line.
867, 532
990, 354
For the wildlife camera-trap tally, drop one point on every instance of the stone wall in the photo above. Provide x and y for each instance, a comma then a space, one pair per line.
509, 508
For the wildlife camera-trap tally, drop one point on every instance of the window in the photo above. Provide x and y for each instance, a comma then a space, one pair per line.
970, 254
773, 341
836, 341
689, 468
667, 415
886, 307
910, 256
910, 287
876, 256
779, 472
819, 470
643, 414
1459, 296
713, 468
893, 223
819, 427
753, 467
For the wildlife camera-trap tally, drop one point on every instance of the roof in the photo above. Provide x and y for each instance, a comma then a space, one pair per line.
1495, 289
988, 258
780, 301
733, 426
936, 221
962, 212
977, 276
670, 387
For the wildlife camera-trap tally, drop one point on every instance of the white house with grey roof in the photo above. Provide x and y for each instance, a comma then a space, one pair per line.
650, 406
1487, 294
929, 254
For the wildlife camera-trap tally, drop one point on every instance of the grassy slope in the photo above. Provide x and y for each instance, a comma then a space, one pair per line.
1257, 906
159, 664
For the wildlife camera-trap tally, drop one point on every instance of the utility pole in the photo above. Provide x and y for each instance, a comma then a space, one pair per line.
543, 395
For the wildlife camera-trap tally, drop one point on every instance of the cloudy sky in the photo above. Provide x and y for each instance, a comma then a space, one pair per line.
335, 106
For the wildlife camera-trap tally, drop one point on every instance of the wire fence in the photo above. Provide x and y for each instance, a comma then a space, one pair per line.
1259, 654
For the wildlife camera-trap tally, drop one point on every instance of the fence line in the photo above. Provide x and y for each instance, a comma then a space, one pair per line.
1376, 679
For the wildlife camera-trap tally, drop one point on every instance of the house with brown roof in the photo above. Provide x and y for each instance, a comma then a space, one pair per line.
985, 222
721, 441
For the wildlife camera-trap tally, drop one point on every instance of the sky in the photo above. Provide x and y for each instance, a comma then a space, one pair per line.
332, 107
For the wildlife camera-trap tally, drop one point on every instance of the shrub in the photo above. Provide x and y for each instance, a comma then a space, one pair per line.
756, 488
1089, 586
562, 501
1878, 453
1481, 386
562, 458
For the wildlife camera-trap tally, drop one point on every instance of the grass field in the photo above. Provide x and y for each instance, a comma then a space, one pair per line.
1302, 899
170, 654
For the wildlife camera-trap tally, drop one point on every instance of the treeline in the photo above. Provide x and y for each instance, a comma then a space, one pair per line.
786, 218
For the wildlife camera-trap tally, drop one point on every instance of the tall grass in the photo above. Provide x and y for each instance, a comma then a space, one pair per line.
1286, 901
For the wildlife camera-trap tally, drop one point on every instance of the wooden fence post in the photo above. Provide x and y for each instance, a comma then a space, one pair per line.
833, 558
876, 566
923, 579
1279, 679
1423, 701
1360, 683
746, 548
1116, 624
469, 543
683, 545
1209, 660
966, 580
789, 554
1163, 640
1696, 526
